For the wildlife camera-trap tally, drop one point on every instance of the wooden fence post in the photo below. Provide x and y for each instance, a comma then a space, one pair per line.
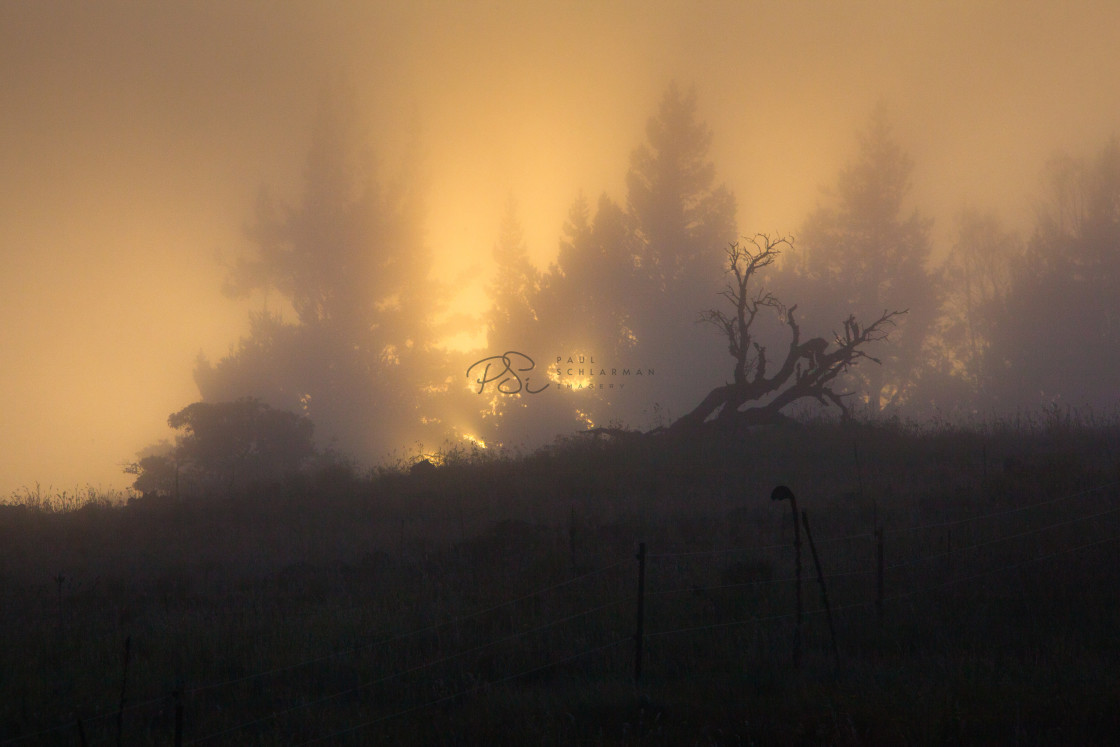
948, 549
639, 633
124, 682
178, 696
859, 470
572, 538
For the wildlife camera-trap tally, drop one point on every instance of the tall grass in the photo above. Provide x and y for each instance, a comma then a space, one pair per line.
491, 599
56, 502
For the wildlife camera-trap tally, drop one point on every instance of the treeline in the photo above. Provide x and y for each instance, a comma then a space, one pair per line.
352, 336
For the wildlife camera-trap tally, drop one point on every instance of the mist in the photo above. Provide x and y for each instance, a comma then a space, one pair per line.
135, 141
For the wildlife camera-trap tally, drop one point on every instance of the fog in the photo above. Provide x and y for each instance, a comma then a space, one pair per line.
135, 138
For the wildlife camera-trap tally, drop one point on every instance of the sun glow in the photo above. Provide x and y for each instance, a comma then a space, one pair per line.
572, 372
462, 326
471, 438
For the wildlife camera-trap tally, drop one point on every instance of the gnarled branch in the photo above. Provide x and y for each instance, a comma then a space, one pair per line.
810, 368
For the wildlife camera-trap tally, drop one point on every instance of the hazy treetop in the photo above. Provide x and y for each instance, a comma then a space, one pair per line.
136, 136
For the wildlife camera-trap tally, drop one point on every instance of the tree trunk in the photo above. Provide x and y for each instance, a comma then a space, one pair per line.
715, 399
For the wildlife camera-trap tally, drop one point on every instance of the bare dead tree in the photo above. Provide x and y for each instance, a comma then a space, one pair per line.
810, 368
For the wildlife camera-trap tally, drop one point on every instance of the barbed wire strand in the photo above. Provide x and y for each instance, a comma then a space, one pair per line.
317, 660
893, 597
402, 636
987, 543
745, 584
721, 551
1004, 512
461, 693
112, 712
412, 670
893, 532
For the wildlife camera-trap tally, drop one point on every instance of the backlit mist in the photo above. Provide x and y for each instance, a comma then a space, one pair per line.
135, 140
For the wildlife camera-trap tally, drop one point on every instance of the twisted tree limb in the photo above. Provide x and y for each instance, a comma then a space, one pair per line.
810, 368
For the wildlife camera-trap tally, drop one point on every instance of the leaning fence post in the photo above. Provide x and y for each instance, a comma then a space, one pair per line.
824, 591
639, 633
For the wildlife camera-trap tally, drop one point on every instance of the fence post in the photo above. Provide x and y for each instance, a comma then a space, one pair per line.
638, 635
948, 550
859, 471
824, 591
879, 574
59, 580
572, 538
124, 682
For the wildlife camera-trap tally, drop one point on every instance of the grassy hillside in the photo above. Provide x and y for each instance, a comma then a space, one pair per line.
494, 600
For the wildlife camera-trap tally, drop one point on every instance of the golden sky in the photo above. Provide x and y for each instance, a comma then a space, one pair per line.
134, 138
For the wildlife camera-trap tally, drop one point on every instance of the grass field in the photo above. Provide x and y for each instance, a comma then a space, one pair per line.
494, 600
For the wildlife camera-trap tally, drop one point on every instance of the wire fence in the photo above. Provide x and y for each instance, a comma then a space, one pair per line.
999, 542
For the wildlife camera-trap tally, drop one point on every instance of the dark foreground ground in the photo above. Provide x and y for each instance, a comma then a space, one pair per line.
495, 601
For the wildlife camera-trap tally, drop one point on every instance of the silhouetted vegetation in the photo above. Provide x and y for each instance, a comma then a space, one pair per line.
865, 251
624, 290
223, 445
472, 595
761, 386
351, 342
491, 599
1056, 329
607, 547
